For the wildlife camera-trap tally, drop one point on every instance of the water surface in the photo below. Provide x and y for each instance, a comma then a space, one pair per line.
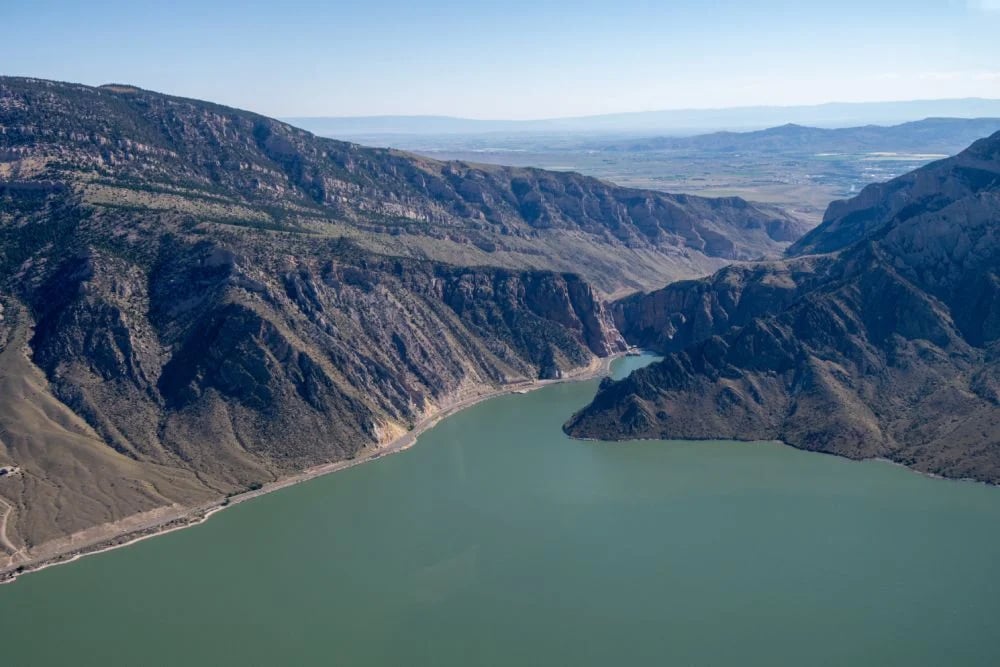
499, 541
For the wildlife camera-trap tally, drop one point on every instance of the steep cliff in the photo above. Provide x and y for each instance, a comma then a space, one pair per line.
121, 147
930, 188
243, 356
886, 348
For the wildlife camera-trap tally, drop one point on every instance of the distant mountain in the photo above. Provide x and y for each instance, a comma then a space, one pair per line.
352, 126
886, 346
196, 299
677, 121
931, 135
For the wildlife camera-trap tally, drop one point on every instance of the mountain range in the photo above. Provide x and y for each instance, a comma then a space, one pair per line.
930, 135
877, 337
675, 121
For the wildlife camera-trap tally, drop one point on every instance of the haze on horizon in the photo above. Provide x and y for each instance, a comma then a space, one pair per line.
517, 59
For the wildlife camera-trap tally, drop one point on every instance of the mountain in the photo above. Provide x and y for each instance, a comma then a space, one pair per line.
238, 168
196, 300
930, 135
677, 121
934, 187
884, 346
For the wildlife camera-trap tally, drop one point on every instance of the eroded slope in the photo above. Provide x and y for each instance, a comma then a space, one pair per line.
886, 348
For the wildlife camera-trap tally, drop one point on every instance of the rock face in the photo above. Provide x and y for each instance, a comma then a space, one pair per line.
291, 357
242, 361
924, 190
885, 347
125, 147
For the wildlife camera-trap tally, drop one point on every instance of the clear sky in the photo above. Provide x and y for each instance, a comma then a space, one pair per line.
511, 59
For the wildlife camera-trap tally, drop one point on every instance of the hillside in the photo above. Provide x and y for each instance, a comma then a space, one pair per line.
885, 347
931, 188
123, 147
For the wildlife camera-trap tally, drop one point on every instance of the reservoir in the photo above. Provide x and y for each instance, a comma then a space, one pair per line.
497, 540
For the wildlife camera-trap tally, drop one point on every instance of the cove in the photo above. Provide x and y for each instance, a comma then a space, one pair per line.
497, 540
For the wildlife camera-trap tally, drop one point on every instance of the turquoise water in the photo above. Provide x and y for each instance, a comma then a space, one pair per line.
499, 541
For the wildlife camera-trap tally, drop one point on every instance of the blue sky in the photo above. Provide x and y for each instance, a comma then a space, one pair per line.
511, 59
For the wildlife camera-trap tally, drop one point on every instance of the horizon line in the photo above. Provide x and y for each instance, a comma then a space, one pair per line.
737, 107
290, 118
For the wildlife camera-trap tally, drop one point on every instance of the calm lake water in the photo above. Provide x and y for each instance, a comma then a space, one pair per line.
499, 541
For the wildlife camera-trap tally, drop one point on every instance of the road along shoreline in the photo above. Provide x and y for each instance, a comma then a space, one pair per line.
168, 519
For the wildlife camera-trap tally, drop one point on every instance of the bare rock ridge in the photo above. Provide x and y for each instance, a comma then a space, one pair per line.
125, 147
885, 346
196, 299
931, 188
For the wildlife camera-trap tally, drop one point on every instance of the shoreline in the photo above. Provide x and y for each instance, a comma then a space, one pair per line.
192, 516
850, 459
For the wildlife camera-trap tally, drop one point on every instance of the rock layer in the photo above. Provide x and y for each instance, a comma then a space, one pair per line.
123, 147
